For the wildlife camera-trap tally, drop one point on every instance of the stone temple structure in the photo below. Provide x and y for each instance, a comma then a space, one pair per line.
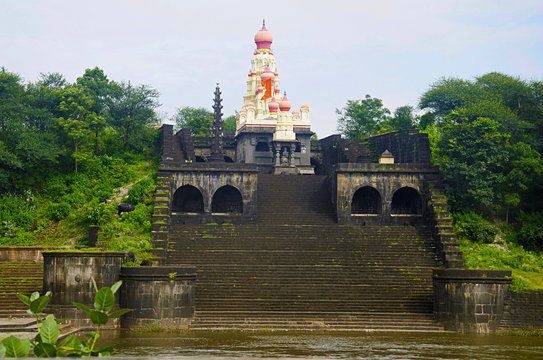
267, 133
293, 233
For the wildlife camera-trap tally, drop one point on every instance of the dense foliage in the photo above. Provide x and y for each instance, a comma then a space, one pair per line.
63, 147
360, 119
200, 121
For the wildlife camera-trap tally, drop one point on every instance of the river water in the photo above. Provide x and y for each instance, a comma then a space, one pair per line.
288, 345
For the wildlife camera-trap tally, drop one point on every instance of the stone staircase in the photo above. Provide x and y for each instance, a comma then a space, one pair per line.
18, 278
296, 269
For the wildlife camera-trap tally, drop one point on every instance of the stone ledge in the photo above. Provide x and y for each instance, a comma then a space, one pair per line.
472, 276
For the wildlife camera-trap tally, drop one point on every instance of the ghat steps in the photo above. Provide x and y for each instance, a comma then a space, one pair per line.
18, 278
297, 269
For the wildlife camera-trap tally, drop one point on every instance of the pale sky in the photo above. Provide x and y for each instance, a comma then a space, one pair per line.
327, 51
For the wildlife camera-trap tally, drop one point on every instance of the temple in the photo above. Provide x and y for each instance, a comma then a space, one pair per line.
267, 132
294, 233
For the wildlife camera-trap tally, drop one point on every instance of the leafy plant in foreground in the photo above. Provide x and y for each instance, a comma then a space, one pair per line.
46, 343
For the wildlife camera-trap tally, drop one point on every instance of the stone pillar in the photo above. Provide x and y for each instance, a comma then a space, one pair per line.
470, 301
68, 276
158, 295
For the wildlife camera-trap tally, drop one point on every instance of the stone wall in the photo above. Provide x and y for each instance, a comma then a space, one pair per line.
470, 301
162, 296
24, 254
68, 275
523, 310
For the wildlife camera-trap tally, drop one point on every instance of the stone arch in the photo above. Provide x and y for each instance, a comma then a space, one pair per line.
366, 200
188, 198
406, 201
227, 199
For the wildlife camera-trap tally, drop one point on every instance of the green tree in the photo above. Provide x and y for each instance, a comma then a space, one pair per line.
97, 85
131, 109
229, 123
198, 120
471, 156
76, 119
360, 119
403, 119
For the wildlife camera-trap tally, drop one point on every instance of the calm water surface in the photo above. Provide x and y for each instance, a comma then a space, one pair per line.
285, 345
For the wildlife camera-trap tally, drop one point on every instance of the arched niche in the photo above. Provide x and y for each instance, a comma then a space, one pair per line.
228, 159
227, 199
200, 159
406, 201
188, 199
366, 200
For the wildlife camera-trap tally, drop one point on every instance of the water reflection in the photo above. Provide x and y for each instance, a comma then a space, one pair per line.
285, 345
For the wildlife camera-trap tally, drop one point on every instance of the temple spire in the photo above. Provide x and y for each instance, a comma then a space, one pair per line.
217, 132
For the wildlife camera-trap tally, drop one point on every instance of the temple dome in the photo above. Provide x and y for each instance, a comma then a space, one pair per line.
284, 105
273, 106
263, 38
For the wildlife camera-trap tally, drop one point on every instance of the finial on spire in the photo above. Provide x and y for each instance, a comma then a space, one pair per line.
263, 22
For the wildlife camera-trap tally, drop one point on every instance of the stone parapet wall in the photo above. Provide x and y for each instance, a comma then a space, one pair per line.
25, 254
523, 310
470, 301
68, 275
160, 296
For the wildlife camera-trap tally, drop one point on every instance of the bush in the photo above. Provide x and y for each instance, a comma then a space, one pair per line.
55, 187
529, 231
97, 213
16, 213
474, 227
57, 211
139, 191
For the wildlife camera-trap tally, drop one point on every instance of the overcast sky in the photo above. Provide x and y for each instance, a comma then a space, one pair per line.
327, 51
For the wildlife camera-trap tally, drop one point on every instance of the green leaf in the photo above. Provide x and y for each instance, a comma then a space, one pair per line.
49, 330
25, 299
82, 307
38, 305
118, 313
34, 296
94, 284
45, 350
16, 347
98, 317
69, 341
116, 286
104, 299
2, 350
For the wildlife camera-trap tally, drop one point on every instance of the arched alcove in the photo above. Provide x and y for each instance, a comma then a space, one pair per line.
227, 199
228, 159
406, 201
188, 199
200, 159
262, 146
366, 200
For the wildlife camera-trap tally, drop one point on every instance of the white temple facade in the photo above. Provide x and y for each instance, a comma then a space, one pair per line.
267, 132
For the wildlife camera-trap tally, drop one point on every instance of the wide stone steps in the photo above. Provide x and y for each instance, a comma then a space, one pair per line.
295, 268
18, 278
348, 321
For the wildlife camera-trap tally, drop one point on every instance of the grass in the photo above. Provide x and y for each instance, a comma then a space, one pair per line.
526, 266
524, 332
